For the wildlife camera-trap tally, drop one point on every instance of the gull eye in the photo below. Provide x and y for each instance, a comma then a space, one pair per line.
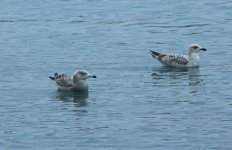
195, 47
82, 73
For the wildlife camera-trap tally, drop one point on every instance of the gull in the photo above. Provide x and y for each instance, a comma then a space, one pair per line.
76, 82
180, 61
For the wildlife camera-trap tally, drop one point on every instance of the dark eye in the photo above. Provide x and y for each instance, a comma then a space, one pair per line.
82, 73
195, 47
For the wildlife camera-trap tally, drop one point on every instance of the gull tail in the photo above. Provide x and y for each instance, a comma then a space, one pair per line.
155, 54
54, 78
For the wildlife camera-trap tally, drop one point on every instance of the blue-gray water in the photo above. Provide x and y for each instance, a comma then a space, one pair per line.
134, 103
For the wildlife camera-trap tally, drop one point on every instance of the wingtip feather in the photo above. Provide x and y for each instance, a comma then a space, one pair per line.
52, 78
154, 53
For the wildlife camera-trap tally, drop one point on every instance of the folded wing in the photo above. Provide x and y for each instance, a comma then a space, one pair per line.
62, 80
171, 60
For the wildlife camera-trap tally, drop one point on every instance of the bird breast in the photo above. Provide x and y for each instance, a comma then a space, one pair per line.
194, 60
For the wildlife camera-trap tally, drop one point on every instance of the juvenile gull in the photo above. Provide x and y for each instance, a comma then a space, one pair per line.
76, 82
180, 61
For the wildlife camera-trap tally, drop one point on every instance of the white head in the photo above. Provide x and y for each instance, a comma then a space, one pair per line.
83, 75
195, 48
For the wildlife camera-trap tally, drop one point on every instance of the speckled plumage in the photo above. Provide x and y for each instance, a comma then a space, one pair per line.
77, 82
180, 61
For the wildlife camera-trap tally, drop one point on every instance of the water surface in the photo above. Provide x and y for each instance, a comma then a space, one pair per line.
135, 103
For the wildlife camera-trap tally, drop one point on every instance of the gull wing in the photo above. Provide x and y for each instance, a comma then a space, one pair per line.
171, 60
62, 80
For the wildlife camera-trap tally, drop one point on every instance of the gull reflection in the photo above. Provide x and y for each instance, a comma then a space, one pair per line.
194, 77
79, 98
178, 76
168, 72
195, 81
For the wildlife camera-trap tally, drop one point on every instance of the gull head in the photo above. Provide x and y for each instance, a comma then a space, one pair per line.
83, 75
195, 48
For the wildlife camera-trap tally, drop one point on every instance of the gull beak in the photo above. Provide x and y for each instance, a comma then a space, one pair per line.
203, 49
92, 76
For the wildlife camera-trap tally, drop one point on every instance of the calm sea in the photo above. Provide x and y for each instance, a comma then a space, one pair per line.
134, 103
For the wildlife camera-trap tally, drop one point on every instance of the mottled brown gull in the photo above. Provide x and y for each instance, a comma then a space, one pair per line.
180, 61
76, 82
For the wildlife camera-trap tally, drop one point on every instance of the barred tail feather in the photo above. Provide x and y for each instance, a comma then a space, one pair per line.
154, 54
52, 78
